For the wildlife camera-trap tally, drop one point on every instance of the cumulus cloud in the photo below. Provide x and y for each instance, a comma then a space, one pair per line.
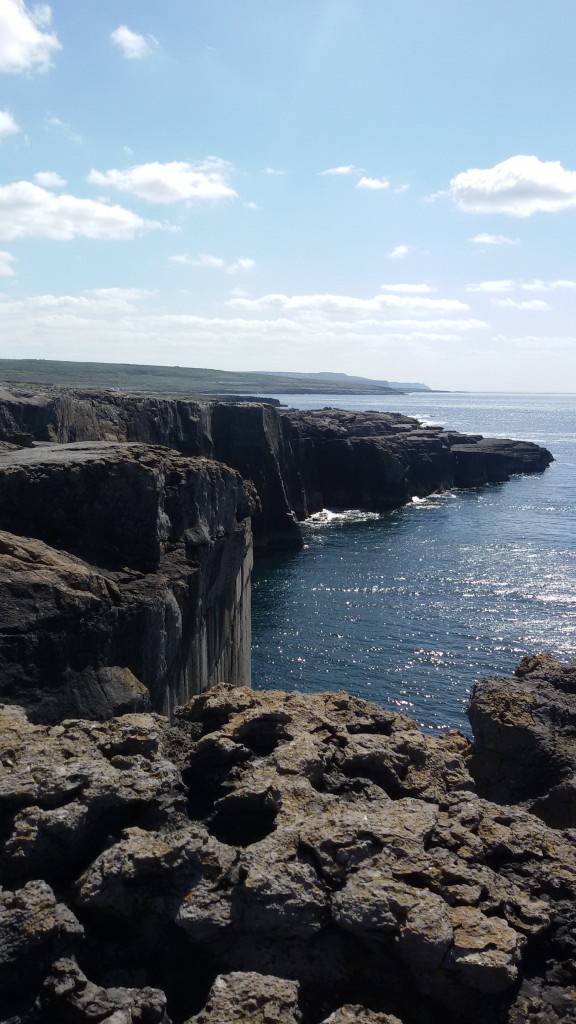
373, 184
530, 304
49, 179
23, 44
240, 266
413, 289
399, 252
518, 187
8, 125
343, 171
7, 261
172, 182
132, 45
486, 239
29, 211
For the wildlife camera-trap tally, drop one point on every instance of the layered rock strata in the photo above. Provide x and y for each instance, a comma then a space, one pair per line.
300, 462
124, 578
273, 858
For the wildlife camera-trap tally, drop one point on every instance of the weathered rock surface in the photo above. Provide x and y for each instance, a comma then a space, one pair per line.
125, 579
525, 738
300, 462
276, 859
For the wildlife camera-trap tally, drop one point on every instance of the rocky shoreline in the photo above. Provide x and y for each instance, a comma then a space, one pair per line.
263, 858
278, 858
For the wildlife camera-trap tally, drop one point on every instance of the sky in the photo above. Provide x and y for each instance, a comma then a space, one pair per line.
384, 188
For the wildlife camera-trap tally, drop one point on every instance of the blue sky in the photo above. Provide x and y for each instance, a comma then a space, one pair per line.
377, 187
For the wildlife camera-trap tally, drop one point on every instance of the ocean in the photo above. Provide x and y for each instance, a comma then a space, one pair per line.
408, 608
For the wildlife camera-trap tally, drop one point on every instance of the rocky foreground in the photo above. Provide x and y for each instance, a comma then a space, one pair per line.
277, 858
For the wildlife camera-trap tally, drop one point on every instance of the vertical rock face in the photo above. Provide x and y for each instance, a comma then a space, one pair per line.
131, 584
299, 461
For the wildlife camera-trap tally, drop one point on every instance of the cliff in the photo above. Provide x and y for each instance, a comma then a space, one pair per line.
280, 859
124, 578
299, 461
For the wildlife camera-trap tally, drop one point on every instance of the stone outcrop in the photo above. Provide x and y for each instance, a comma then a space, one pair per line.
525, 738
300, 462
124, 578
274, 859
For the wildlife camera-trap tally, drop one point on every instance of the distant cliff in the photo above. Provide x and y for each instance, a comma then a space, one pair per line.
298, 461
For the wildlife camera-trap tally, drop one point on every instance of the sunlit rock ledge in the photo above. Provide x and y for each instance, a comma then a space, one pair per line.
275, 857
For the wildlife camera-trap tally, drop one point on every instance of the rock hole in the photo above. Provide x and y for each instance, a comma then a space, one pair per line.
262, 735
209, 776
243, 820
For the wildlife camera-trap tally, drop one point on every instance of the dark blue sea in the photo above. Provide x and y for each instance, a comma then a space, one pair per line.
409, 608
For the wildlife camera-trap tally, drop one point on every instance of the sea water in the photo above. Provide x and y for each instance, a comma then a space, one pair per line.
408, 608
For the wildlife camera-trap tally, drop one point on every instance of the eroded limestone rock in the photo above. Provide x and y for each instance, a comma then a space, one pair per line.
317, 855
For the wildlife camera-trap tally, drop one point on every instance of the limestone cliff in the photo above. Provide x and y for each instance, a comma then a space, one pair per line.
124, 578
299, 461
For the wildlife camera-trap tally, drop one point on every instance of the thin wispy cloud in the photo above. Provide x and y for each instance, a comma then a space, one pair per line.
277, 172
7, 261
486, 239
340, 172
411, 289
400, 252
534, 305
239, 266
56, 124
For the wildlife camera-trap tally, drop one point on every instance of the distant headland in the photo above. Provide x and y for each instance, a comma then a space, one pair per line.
193, 380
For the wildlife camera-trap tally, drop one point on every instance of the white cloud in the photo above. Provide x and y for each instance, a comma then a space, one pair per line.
413, 289
531, 304
49, 179
518, 187
7, 261
240, 266
327, 304
23, 44
486, 239
98, 325
399, 252
132, 45
55, 124
547, 286
401, 188
277, 172
343, 171
525, 286
373, 184
171, 182
251, 206
8, 125
492, 286
29, 211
